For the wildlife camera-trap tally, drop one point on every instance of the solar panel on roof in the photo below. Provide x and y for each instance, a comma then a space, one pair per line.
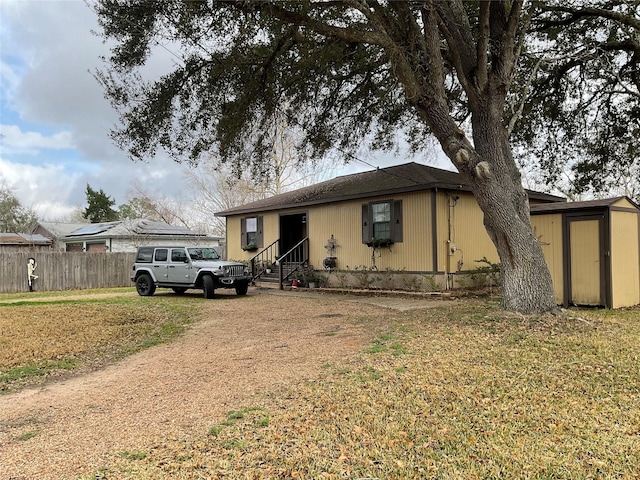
91, 229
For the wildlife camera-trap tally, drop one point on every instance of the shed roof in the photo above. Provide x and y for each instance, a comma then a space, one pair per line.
23, 239
408, 177
584, 205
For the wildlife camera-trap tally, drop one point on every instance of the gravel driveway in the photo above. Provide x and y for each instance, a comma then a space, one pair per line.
242, 349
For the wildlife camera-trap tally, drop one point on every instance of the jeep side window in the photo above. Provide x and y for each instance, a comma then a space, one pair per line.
145, 255
178, 255
161, 255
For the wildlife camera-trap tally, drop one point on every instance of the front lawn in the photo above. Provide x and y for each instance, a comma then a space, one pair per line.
50, 334
460, 391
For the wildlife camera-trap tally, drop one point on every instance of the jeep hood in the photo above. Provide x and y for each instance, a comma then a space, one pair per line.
214, 263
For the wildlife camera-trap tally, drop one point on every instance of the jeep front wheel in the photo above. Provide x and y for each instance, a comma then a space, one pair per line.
144, 285
242, 289
207, 286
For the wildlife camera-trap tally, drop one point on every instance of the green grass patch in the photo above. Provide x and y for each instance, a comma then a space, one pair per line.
136, 455
258, 417
28, 435
33, 370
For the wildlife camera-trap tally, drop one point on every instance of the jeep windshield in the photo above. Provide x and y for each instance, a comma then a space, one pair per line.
202, 253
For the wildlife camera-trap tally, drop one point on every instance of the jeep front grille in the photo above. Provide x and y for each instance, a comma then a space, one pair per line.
234, 271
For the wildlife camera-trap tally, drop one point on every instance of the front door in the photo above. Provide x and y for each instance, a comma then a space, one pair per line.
293, 229
586, 262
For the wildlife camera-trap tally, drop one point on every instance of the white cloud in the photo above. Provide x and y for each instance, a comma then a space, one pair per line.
14, 140
45, 189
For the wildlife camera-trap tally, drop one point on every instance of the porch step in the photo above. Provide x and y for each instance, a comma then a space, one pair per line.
273, 276
269, 277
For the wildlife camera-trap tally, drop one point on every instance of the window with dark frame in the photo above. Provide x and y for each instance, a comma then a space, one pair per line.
251, 236
252, 231
382, 220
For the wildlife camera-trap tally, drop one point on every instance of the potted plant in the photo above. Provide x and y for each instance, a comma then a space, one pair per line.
379, 242
310, 277
268, 267
250, 247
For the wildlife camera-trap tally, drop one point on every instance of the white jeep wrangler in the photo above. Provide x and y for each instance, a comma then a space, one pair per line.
182, 268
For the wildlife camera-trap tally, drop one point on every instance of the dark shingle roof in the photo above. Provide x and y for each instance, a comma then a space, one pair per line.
403, 178
568, 206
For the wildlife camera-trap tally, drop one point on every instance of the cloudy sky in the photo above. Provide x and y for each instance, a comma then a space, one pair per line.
55, 121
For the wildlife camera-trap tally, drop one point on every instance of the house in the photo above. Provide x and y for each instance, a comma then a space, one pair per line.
426, 220
24, 242
120, 236
423, 225
56, 230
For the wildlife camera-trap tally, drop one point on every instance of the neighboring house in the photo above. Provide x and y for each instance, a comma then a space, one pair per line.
24, 242
121, 236
56, 230
422, 221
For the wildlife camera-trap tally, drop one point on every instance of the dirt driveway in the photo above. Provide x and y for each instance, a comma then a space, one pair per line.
242, 349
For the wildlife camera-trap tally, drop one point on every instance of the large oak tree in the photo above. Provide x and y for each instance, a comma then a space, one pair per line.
486, 78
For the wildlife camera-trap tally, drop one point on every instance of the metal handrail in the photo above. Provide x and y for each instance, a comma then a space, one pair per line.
265, 257
296, 257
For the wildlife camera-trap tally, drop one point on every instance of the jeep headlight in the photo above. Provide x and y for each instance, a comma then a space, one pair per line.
247, 271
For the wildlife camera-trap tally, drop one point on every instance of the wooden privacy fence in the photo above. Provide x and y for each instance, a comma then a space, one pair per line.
65, 271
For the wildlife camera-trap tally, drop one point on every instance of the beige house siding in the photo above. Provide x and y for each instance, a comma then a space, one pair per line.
625, 258
469, 237
458, 226
343, 221
548, 229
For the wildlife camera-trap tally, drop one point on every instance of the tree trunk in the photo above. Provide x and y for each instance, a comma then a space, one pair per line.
497, 185
489, 168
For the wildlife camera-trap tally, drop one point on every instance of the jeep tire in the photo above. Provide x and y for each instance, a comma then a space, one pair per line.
208, 286
144, 285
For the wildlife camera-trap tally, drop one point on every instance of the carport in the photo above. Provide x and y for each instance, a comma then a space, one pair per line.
592, 249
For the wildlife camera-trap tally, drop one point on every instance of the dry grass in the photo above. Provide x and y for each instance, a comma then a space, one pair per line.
464, 391
46, 337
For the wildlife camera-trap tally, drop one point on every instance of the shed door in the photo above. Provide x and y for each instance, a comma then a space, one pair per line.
586, 264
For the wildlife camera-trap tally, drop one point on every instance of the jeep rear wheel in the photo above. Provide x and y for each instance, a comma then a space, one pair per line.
207, 286
144, 285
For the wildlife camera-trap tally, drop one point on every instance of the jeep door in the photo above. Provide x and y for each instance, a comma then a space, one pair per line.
160, 258
179, 270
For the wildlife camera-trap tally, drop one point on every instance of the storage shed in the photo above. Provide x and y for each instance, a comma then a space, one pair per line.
592, 249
